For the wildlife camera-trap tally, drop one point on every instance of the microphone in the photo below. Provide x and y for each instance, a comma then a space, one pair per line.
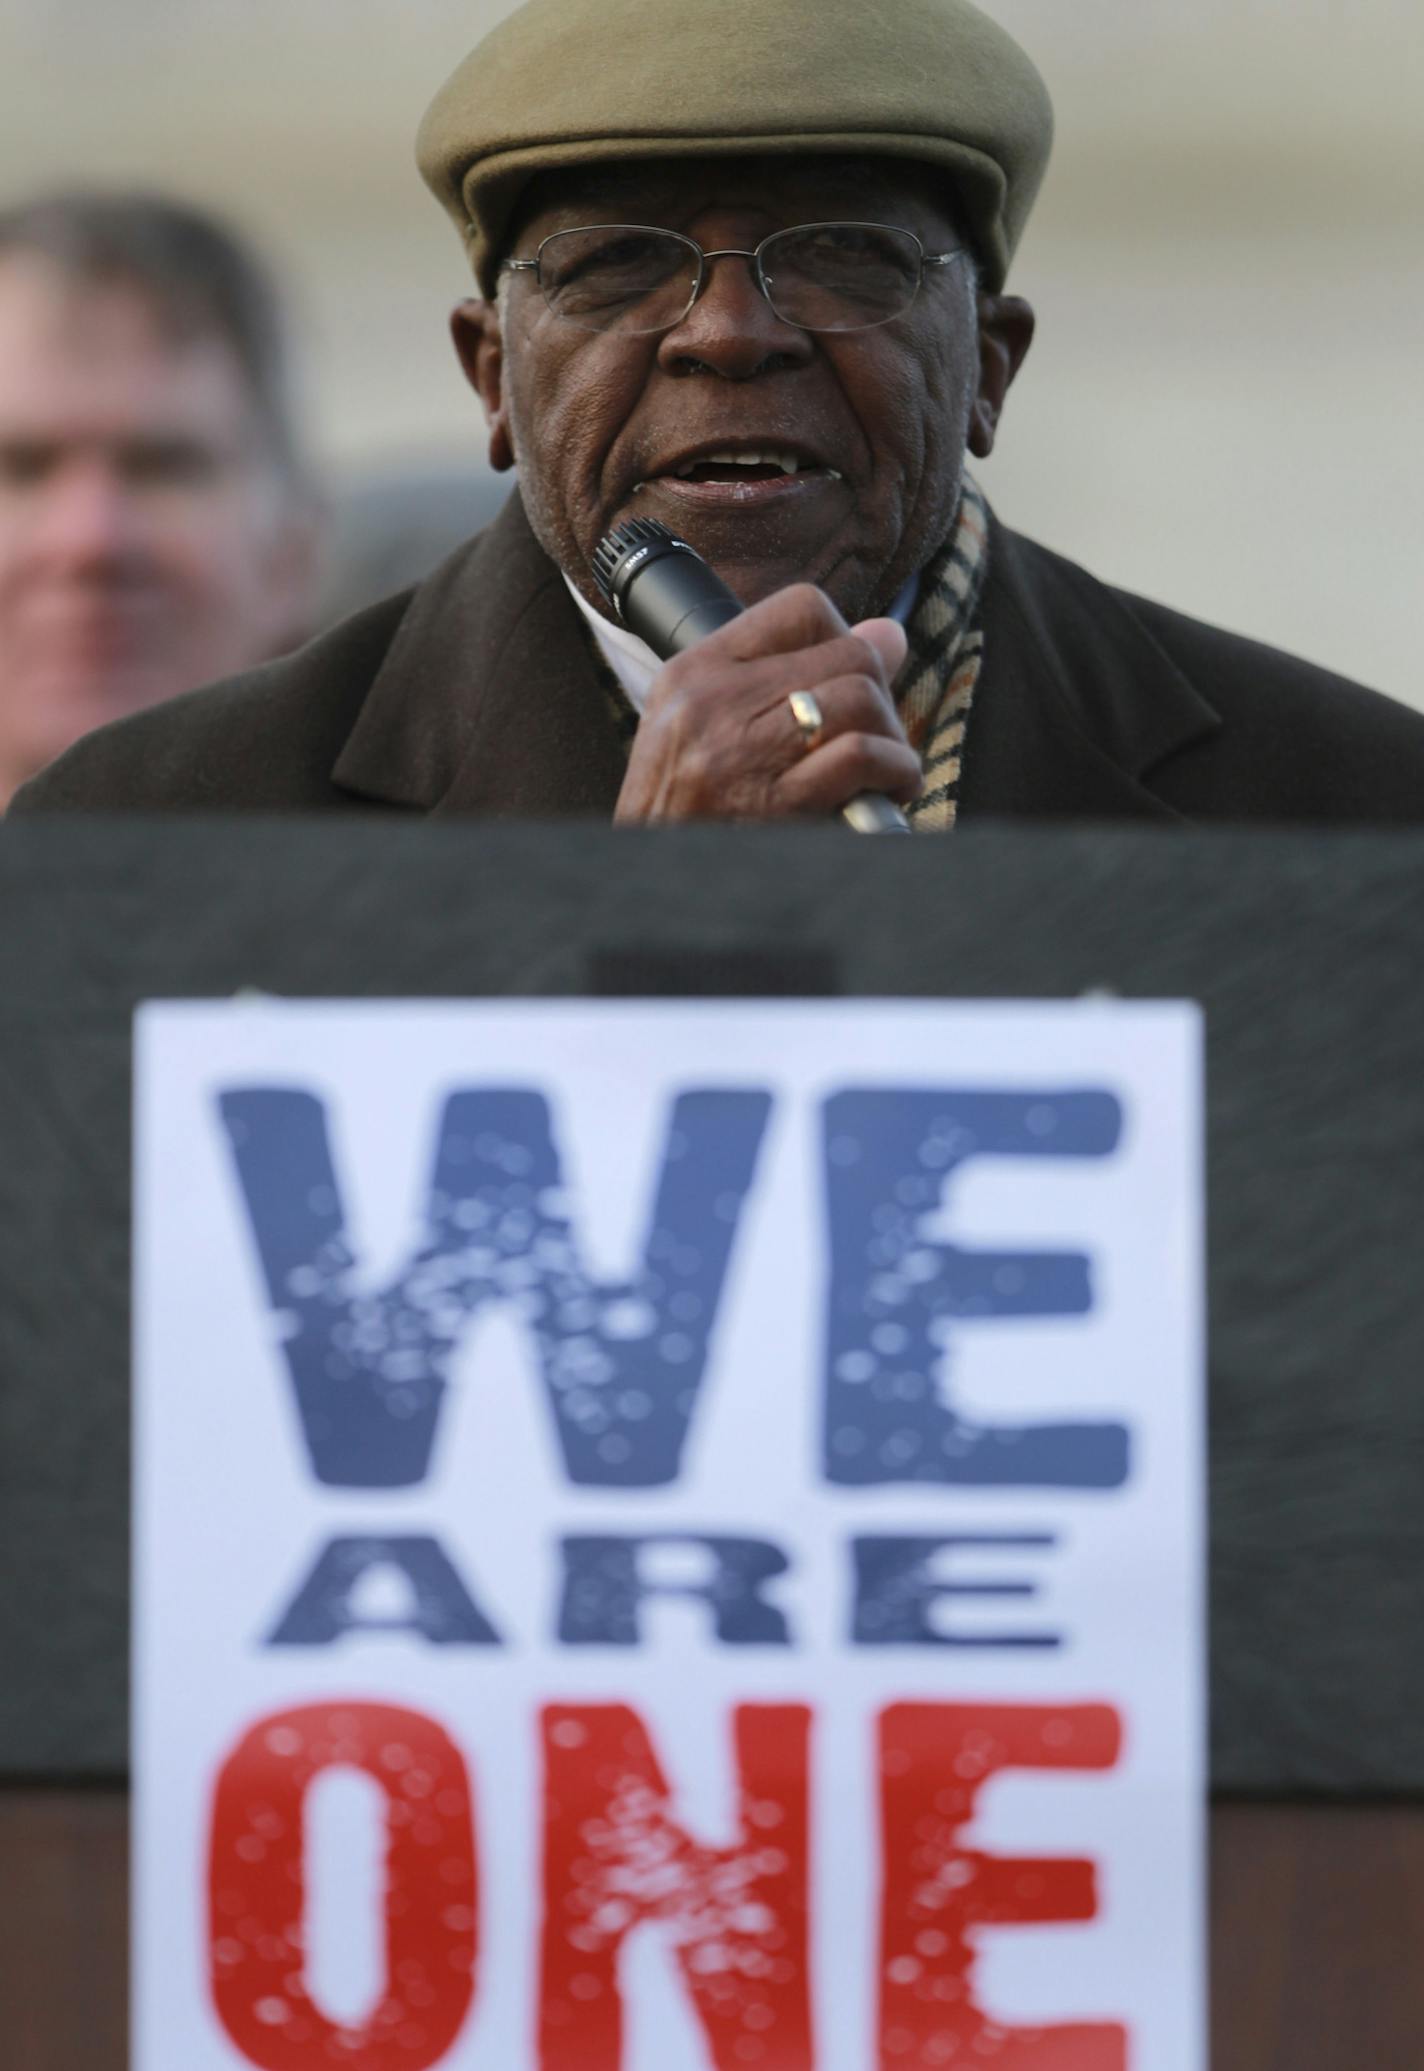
664, 591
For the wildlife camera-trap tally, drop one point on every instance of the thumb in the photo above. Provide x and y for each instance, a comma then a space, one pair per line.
887, 637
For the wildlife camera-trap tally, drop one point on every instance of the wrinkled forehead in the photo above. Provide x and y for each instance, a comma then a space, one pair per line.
781, 190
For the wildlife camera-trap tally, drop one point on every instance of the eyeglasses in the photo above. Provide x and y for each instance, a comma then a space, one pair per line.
818, 277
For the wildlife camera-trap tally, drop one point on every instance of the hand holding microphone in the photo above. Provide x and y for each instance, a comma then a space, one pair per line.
775, 711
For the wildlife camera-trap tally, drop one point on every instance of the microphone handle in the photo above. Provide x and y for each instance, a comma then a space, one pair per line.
674, 600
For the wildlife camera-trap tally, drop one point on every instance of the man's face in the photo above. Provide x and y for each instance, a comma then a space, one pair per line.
603, 427
148, 541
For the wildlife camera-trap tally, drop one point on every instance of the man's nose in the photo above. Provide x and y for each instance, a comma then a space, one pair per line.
87, 517
731, 328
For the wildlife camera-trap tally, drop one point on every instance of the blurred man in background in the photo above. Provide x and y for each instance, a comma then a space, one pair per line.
157, 525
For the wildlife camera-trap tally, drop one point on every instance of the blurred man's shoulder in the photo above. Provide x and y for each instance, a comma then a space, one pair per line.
265, 740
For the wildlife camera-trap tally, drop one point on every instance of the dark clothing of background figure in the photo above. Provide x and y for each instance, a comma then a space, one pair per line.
477, 693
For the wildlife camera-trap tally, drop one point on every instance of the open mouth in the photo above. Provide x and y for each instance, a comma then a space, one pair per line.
763, 466
744, 471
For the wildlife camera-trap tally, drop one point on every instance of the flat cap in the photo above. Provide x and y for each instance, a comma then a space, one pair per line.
562, 83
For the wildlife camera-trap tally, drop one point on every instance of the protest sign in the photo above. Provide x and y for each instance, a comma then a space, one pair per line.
668, 1535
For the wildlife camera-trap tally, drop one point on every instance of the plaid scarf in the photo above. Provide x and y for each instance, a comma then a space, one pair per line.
935, 686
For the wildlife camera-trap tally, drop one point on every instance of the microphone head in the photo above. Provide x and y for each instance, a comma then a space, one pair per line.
621, 553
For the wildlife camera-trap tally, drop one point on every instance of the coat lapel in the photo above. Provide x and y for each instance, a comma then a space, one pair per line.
1077, 702
488, 701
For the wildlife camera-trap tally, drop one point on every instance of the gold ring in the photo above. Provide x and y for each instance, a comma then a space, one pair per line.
810, 720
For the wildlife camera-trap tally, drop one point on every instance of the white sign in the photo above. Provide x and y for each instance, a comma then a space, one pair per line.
668, 1537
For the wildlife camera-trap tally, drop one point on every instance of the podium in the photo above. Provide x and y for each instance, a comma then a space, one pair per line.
1303, 949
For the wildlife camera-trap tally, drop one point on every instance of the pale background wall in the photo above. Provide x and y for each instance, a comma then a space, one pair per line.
1224, 407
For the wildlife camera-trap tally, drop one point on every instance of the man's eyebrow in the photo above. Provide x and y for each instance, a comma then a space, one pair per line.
44, 448
29, 446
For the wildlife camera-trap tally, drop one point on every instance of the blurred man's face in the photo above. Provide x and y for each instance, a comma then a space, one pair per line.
148, 540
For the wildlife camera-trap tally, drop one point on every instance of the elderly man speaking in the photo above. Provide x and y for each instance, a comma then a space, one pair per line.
742, 270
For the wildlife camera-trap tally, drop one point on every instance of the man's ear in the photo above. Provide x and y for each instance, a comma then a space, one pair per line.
474, 326
1006, 325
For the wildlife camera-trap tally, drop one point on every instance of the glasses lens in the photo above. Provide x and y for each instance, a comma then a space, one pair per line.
841, 276
618, 277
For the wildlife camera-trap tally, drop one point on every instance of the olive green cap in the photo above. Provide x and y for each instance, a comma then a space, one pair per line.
562, 83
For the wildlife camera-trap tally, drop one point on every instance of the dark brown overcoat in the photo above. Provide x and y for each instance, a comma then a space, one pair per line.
476, 693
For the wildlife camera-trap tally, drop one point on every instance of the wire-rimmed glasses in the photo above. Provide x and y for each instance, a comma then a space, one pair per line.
633, 278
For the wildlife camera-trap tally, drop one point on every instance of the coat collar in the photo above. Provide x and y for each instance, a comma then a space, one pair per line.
489, 702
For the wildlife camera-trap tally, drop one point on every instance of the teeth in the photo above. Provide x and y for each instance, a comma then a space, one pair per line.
787, 462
